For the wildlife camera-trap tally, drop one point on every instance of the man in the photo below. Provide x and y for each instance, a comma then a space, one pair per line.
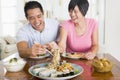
38, 34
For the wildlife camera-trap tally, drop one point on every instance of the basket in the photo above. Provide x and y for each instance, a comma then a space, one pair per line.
102, 65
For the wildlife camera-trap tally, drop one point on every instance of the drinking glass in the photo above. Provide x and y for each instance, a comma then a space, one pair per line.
101, 52
2, 69
0, 51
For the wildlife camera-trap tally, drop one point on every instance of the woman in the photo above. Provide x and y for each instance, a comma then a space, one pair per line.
79, 34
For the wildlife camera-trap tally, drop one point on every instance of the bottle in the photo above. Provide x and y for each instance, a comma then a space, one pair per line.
2, 69
0, 51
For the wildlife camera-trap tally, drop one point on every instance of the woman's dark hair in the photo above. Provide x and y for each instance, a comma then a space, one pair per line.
32, 5
82, 5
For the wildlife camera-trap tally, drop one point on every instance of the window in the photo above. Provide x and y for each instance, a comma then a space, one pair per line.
8, 17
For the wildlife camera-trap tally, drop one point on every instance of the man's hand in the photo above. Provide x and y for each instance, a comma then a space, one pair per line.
37, 49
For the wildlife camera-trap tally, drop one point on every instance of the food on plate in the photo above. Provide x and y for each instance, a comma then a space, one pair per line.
102, 65
55, 68
55, 60
65, 66
41, 54
62, 70
13, 60
73, 55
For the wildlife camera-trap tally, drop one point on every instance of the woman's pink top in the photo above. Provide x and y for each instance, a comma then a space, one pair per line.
79, 43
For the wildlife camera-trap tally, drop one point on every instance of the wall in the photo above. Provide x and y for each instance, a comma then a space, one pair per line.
0, 20
112, 27
51, 8
101, 21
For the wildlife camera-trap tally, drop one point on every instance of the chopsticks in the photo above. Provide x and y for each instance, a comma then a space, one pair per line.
49, 52
35, 42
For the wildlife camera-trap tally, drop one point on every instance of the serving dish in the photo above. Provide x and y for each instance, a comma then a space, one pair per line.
76, 68
15, 64
102, 65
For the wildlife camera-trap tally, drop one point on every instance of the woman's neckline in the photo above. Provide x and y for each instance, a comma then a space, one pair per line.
77, 29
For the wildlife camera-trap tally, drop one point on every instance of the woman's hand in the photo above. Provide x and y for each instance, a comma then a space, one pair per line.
89, 55
52, 45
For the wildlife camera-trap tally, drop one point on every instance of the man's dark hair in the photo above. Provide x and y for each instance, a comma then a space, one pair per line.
82, 5
32, 5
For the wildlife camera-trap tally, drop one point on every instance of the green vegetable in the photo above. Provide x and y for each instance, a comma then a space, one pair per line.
76, 71
36, 67
40, 55
13, 60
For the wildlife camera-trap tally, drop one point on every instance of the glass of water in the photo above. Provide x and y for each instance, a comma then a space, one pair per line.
101, 52
2, 69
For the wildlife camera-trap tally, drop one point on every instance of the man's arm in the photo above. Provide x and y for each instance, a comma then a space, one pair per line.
26, 52
23, 49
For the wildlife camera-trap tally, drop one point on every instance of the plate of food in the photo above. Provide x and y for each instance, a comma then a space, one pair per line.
41, 56
72, 55
63, 71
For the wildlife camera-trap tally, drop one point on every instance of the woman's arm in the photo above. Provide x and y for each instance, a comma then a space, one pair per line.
62, 40
94, 48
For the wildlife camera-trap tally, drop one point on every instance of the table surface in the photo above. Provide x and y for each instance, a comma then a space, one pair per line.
88, 73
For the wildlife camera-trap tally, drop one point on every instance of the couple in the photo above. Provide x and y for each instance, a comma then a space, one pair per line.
79, 34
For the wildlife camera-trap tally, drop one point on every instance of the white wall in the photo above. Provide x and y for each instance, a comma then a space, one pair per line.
112, 27
101, 21
0, 20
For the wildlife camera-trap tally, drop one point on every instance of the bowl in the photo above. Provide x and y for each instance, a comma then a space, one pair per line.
102, 65
15, 64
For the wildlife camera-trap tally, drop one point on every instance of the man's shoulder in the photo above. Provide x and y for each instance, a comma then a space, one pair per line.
50, 20
25, 27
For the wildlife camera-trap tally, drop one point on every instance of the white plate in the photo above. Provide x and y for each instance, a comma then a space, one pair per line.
65, 55
41, 57
75, 66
